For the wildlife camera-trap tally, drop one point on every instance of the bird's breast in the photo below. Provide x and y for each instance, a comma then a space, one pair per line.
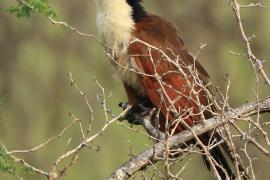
115, 29
128, 71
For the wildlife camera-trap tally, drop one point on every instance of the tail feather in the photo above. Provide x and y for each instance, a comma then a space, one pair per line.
217, 154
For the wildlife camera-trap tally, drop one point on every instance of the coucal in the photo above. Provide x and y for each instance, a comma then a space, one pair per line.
157, 69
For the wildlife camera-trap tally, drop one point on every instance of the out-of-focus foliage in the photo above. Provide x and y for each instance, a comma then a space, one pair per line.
35, 92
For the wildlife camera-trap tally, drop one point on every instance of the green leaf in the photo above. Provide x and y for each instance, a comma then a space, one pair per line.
25, 9
12, 9
8, 164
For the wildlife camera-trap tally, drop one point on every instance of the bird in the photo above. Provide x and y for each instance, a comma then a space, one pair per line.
157, 71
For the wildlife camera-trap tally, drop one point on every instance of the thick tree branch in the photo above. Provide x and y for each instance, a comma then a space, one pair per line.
154, 154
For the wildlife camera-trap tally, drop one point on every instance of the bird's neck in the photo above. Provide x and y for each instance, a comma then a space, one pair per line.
138, 11
115, 23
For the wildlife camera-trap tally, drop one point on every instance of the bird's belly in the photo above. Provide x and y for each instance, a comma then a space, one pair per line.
128, 72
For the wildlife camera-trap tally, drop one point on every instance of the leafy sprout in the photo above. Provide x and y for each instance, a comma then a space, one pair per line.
25, 8
9, 165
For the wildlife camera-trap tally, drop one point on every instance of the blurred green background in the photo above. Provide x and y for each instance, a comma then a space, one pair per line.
36, 96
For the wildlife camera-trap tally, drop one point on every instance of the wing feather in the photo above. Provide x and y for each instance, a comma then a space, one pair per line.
171, 91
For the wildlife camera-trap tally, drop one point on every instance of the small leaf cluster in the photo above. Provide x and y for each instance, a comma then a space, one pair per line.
26, 7
9, 165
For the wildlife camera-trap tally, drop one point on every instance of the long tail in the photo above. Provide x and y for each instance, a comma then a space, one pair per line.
217, 154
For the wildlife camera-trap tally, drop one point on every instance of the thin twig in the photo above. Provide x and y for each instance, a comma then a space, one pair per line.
149, 156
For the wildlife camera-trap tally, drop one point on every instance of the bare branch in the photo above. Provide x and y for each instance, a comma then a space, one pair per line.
66, 25
153, 154
256, 62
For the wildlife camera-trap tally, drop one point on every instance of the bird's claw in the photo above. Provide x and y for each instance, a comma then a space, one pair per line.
123, 105
136, 114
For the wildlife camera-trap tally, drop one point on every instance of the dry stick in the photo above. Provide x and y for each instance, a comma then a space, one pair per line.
153, 154
26, 164
256, 62
83, 94
79, 147
65, 25
171, 103
40, 146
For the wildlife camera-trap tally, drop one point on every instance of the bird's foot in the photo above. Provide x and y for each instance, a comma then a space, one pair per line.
123, 105
136, 113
